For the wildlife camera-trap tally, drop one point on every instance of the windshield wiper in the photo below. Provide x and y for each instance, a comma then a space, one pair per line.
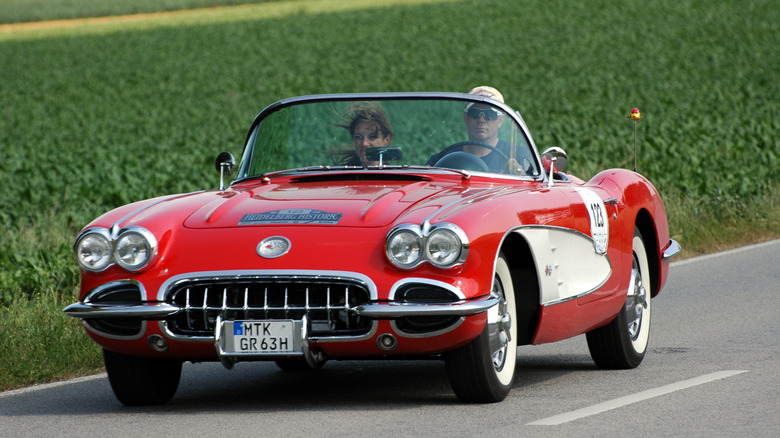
463, 173
301, 169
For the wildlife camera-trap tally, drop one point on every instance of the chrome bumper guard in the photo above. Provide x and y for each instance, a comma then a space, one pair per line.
672, 249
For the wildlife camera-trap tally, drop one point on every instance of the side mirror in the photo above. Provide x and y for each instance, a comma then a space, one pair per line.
553, 159
554, 155
225, 164
384, 153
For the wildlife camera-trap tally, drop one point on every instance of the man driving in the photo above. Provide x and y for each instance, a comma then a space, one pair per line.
482, 123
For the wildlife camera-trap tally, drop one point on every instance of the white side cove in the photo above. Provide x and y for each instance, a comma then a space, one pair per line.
567, 264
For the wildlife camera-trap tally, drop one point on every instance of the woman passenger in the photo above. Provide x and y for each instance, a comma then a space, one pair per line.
368, 126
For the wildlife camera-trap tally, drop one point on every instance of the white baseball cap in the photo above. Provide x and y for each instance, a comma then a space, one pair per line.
484, 90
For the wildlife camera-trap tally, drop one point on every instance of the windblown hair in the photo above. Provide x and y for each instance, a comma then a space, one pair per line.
369, 112
361, 112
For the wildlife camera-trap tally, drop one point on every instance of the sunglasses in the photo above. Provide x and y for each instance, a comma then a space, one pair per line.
487, 113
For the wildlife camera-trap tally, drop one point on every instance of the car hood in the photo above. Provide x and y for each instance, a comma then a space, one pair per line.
357, 204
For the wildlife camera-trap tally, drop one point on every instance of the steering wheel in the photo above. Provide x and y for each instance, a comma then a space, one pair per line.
464, 160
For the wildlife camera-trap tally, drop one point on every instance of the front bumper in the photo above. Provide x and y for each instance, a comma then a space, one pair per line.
337, 313
381, 310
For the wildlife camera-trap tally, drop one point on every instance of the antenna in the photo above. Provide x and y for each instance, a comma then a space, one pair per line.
635, 116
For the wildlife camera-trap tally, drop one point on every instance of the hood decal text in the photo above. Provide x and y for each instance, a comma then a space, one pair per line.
291, 216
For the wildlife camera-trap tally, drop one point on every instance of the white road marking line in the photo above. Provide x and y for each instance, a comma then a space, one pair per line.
43, 386
629, 399
725, 253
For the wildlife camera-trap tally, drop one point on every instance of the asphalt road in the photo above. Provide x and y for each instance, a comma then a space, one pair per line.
713, 369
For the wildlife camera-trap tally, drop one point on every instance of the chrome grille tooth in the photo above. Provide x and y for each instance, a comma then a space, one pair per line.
265, 302
346, 305
246, 302
206, 308
286, 303
188, 308
328, 308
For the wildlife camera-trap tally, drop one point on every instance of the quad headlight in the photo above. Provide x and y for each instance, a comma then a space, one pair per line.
132, 248
443, 245
93, 249
404, 247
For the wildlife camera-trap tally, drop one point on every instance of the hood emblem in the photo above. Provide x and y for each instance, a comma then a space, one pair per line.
272, 247
291, 216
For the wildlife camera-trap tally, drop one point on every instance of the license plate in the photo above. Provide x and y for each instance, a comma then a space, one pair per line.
248, 337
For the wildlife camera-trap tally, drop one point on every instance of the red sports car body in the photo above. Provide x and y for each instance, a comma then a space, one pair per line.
392, 229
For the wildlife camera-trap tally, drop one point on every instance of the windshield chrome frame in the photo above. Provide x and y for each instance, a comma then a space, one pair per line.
246, 155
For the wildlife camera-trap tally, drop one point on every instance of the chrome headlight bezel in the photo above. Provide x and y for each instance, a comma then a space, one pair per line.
136, 244
446, 245
111, 245
407, 236
91, 243
430, 242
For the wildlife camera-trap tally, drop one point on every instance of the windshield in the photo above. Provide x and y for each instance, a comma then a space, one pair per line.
381, 132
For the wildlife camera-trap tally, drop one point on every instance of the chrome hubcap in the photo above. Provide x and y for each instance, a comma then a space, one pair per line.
499, 325
636, 303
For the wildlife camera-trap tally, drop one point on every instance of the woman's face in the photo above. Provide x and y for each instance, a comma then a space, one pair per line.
366, 135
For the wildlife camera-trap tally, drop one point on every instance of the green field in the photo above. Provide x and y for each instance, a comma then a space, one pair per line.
99, 115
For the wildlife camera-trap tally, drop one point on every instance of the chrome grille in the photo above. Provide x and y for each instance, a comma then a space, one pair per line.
325, 300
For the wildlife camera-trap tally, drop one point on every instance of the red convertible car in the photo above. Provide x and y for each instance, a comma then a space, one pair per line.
371, 226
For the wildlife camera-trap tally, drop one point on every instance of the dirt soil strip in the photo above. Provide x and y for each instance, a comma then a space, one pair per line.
273, 9
54, 24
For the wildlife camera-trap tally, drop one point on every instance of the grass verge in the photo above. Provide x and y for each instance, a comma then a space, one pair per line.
718, 222
40, 344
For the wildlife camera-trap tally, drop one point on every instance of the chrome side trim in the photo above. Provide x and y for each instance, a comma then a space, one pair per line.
672, 250
397, 310
574, 297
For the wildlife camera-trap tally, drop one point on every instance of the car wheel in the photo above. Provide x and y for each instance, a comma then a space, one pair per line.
483, 370
139, 381
622, 343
